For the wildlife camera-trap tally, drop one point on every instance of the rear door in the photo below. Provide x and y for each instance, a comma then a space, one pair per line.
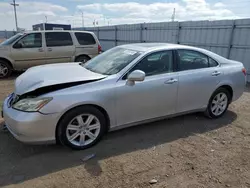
87, 44
59, 47
198, 77
28, 51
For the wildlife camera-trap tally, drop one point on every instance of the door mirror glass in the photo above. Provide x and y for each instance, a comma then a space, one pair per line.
136, 75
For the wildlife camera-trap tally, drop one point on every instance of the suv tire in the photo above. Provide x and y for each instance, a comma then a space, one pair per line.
5, 69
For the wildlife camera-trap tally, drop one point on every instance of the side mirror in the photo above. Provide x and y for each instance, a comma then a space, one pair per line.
136, 75
18, 45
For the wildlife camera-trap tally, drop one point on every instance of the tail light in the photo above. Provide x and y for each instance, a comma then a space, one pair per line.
244, 71
99, 49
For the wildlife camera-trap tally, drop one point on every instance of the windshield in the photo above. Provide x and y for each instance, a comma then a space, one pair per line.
11, 39
111, 61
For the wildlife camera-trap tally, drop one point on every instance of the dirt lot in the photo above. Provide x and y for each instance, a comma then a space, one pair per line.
184, 152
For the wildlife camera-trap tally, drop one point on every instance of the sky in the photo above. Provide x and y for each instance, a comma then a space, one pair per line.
114, 12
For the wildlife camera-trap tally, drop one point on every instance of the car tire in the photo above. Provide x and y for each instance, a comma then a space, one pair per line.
5, 69
218, 103
70, 121
82, 59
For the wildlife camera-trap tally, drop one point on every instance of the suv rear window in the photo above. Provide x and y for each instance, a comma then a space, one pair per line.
85, 38
58, 39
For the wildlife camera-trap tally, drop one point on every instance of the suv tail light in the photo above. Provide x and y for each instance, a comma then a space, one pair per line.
244, 71
99, 49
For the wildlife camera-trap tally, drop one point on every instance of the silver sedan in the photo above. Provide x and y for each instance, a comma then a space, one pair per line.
76, 104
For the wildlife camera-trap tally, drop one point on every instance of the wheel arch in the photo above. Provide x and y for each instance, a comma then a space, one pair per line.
93, 105
229, 88
82, 55
7, 61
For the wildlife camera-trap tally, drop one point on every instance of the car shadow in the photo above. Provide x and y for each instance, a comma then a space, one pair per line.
20, 162
13, 76
247, 89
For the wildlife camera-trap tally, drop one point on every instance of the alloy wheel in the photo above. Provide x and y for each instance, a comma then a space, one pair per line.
219, 104
83, 129
3, 70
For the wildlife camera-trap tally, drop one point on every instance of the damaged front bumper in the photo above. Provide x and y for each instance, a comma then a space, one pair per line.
30, 127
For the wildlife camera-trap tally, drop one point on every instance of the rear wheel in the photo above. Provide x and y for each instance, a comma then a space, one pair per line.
81, 127
5, 69
218, 103
82, 59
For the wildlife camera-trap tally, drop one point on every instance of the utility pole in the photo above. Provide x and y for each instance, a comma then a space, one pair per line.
82, 17
46, 19
173, 15
15, 5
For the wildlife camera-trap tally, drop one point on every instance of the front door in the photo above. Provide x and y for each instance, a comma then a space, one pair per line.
28, 51
198, 77
154, 97
59, 47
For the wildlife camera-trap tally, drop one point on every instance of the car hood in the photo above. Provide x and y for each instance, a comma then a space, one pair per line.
4, 47
52, 75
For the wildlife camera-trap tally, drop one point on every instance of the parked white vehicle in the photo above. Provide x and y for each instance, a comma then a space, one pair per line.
76, 104
25, 50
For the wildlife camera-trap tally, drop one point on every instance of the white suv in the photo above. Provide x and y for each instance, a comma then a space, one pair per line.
34, 48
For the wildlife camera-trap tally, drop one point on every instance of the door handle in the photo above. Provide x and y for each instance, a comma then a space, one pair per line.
49, 49
170, 81
216, 73
40, 50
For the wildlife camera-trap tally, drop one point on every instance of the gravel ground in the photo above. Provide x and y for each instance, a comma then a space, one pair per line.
183, 152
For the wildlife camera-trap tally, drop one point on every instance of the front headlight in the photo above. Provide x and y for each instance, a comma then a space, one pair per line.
31, 104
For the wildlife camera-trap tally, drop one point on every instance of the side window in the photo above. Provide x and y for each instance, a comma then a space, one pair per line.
33, 40
85, 38
189, 59
58, 39
156, 63
212, 63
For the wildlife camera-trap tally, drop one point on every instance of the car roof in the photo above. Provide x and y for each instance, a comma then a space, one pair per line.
44, 31
144, 47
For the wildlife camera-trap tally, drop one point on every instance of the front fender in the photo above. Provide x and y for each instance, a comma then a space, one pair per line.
62, 104
6, 58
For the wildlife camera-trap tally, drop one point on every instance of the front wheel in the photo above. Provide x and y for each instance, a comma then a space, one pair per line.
218, 103
81, 127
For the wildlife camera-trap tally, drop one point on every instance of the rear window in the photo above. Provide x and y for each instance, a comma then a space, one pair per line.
85, 38
58, 39
212, 63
